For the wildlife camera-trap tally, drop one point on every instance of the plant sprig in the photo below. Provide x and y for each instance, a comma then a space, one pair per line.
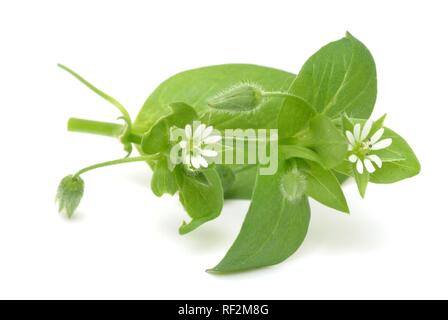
325, 137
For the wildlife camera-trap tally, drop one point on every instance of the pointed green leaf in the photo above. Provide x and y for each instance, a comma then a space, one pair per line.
340, 77
323, 186
347, 124
294, 117
327, 141
378, 124
274, 228
399, 161
297, 151
201, 195
243, 186
227, 176
157, 139
163, 180
342, 178
347, 168
362, 180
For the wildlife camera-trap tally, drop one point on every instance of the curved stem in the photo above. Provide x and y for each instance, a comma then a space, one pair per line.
112, 163
102, 94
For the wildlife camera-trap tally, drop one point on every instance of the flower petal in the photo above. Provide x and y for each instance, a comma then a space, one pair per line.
357, 131
369, 166
377, 136
353, 158
207, 132
366, 129
350, 137
383, 144
198, 132
203, 162
376, 160
195, 162
209, 153
188, 131
187, 159
196, 150
359, 166
350, 147
212, 139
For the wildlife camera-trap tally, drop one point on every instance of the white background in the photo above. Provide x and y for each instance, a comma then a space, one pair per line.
123, 242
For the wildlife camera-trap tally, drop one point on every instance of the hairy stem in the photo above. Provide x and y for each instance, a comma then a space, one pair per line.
279, 94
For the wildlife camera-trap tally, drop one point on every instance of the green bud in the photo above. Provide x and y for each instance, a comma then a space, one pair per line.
70, 192
241, 97
293, 184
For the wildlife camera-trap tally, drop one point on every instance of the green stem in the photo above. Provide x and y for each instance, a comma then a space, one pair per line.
114, 162
101, 128
102, 94
95, 127
279, 94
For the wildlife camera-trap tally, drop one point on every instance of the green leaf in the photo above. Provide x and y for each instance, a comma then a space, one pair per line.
347, 124
347, 168
342, 178
362, 180
274, 228
163, 180
340, 77
297, 151
201, 195
323, 186
243, 186
327, 141
69, 195
399, 161
195, 87
227, 176
157, 139
294, 116
378, 124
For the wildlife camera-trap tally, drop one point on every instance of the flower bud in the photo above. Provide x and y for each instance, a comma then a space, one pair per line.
293, 184
241, 97
69, 195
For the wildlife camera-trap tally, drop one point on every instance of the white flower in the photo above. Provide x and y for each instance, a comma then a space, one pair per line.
361, 144
195, 146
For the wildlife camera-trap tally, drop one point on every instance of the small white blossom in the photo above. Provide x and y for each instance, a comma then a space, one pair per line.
196, 146
361, 144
